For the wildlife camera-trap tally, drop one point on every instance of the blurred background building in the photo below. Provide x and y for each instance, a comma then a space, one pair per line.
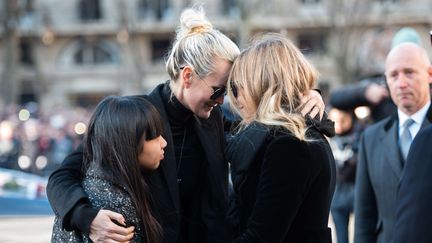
59, 58
77, 51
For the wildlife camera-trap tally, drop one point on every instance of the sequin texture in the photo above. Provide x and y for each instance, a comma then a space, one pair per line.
103, 194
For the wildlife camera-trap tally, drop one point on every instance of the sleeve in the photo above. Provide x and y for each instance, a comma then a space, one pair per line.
349, 97
281, 187
366, 215
67, 196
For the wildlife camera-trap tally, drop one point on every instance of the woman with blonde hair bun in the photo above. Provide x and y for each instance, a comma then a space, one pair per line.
283, 167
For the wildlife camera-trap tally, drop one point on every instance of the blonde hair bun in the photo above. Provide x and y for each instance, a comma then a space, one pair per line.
193, 21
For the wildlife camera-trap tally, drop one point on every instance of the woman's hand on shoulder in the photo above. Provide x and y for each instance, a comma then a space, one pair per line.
106, 228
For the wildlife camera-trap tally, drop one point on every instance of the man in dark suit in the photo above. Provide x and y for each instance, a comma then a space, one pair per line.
383, 146
413, 210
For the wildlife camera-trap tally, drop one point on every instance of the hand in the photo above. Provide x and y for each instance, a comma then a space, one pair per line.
312, 104
375, 93
103, 229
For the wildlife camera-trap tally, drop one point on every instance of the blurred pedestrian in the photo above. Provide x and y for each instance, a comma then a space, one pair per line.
372, 91
284, 172
113, 167
383, 146
344, 146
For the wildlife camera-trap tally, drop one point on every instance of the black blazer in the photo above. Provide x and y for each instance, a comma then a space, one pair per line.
379, 170
65, 191
414, 203
282, 187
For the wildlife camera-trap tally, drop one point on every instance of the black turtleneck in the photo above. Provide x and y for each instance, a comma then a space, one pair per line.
190, 157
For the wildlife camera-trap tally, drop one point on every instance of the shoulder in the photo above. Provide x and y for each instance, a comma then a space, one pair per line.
285, 151
284, 143
372, 130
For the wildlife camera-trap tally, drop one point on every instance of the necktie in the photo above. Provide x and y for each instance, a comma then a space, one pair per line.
406, 138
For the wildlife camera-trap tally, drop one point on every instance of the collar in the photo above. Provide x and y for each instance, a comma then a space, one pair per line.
418, 117
177, 113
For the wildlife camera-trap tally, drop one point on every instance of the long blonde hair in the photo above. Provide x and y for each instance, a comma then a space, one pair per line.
198, 44
273, 75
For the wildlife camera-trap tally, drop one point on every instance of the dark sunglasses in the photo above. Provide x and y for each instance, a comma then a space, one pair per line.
218, 92
234, 90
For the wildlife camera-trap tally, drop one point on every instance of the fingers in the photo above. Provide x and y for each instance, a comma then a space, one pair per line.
116, 234
105, 228
121, 234
307, 105
314, 112
115, 216
312, 105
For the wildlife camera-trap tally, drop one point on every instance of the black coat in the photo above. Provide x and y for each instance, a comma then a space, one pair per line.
282, 187
379, 171
64, 189
414, 203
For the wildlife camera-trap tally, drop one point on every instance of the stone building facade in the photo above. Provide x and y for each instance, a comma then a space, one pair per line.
77, 51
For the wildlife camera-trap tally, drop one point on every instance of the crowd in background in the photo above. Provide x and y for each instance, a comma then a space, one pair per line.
35, 140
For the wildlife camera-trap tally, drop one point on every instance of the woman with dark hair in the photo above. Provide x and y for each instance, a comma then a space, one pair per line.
113, 167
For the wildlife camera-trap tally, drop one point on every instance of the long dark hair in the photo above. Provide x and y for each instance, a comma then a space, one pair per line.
113, 141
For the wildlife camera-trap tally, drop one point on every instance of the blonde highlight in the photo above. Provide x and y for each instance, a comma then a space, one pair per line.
274, 75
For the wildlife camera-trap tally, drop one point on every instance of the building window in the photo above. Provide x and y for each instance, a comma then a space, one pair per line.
153, 9
94, 53
312, 43
89, 10
309, 1
26, 57
388, 1
159, 48
229, 7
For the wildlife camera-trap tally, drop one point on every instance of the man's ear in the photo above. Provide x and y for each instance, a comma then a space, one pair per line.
430, 74
187, 74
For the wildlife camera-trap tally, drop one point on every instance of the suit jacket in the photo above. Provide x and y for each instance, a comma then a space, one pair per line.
65, 191
413, 209
282, 186
379, 170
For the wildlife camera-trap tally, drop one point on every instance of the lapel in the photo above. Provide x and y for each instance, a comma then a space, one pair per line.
392, 154
168, 164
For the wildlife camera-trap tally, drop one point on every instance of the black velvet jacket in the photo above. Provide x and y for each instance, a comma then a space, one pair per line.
282, 187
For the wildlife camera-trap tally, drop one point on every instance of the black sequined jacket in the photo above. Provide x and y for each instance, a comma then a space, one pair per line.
105, 194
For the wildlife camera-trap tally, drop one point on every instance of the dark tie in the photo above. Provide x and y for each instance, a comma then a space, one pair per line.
406, 138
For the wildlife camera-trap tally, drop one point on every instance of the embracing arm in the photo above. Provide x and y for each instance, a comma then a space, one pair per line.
366, 215
280, 191
71, 204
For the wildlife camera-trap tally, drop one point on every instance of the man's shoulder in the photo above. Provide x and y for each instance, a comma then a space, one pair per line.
379, 126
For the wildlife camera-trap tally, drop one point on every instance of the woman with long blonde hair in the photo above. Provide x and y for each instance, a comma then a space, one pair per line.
283, 168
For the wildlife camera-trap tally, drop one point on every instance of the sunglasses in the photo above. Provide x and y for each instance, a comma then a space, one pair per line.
217, 91
234, 90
